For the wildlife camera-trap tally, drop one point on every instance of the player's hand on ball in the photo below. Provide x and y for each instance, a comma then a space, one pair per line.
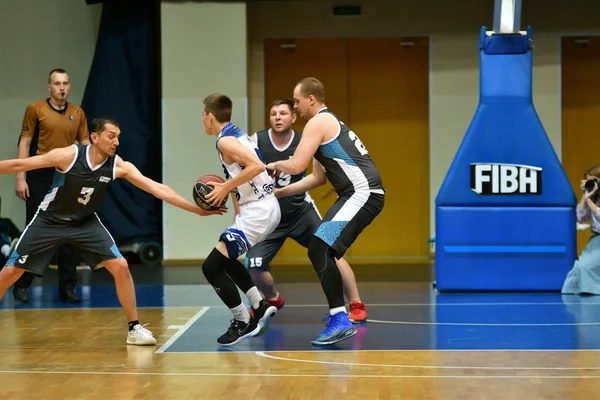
218, 194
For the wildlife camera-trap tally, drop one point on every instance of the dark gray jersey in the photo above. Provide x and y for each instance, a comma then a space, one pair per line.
79, 191
290, 205
347, 163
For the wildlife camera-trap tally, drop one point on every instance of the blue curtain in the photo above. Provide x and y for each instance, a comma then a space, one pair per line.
124, 83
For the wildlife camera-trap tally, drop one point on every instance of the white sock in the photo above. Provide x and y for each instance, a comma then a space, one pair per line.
254, 297
336, 310
240, 313
274, 298
5, 249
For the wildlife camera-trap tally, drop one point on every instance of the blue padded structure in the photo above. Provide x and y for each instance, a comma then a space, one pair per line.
505, 213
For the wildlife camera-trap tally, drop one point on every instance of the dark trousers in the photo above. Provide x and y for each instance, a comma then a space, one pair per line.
39, 183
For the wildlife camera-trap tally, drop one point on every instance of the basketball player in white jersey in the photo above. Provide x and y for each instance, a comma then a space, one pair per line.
257, 215
352, 172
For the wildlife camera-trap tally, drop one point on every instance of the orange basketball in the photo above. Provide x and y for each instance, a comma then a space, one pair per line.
202, 189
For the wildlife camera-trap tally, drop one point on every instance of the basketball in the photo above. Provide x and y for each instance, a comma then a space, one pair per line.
201, 189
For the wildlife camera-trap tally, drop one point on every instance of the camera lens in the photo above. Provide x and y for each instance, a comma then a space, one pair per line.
589, 185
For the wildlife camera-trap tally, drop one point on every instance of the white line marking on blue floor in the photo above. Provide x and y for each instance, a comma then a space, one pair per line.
182, 330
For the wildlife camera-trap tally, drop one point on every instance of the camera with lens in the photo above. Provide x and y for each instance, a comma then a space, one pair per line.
589, 184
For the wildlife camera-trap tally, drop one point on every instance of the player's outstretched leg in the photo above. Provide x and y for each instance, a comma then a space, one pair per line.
137, 335
8, 276
358, 310
261, 310
339, 326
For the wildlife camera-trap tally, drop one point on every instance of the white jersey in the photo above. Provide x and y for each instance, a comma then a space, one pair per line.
261, 185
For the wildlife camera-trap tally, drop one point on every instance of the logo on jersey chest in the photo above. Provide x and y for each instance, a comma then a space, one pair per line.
105, 179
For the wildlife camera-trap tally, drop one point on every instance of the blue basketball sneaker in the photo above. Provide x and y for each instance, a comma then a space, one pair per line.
338, 328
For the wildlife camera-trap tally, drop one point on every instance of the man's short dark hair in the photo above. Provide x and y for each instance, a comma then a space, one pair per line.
99, 124
287, 102
220, 106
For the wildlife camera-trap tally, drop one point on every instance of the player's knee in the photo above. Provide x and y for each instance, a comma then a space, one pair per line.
10, 273
258, 276
318, 252
212, 265
118, 266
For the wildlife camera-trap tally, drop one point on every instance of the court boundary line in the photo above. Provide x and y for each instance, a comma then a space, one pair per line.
338, 351
442, 367
316, 305
182, 330
267, 375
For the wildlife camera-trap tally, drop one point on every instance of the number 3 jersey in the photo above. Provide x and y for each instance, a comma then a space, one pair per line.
257, 188
79, 191
347, 163
291, 206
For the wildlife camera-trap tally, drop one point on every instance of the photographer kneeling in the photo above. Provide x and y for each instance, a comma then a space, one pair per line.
585, 275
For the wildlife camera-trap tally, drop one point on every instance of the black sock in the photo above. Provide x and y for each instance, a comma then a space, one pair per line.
321, 256
222, 283
132, 324
236, 270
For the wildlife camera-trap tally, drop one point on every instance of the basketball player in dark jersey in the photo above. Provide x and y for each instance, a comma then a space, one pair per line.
68, 214
300, 218
351, 171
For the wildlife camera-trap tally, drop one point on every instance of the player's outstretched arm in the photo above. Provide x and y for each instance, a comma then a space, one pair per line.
315, 179
128, 171
312, 137
59, 158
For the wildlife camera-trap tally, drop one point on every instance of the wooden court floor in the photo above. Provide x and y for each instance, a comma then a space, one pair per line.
418, 344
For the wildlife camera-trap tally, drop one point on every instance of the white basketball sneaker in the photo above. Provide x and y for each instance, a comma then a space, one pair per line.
140, 336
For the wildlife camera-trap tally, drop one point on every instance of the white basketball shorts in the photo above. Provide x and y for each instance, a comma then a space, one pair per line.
253, 224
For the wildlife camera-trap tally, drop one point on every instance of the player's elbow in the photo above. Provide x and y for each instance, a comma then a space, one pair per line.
320, 179
256, 168
296, 168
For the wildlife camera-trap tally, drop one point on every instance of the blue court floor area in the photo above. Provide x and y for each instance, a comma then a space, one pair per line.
402, 316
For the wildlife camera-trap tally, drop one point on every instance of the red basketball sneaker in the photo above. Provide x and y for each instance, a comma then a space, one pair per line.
278, 302
358, 313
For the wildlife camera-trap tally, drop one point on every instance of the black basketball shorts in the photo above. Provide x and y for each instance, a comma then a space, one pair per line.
42, 237
301, 229
348, 217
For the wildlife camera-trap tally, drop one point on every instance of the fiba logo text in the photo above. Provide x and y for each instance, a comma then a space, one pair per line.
505, 179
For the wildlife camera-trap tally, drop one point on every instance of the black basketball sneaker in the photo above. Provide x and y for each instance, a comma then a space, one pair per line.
263, 314
238, 331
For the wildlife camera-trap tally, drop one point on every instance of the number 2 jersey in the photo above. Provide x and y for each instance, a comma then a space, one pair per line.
291, 206
262, 184
347, 163
79, 191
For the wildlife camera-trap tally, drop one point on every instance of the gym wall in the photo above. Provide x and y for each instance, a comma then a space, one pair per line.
37, 37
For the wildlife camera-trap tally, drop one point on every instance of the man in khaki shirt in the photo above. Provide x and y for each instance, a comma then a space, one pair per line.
49, 124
